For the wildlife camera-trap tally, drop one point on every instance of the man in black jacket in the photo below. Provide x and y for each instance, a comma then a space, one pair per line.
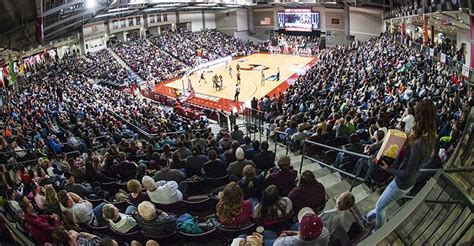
265, 159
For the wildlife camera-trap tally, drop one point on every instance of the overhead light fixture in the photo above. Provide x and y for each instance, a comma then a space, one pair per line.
90, 4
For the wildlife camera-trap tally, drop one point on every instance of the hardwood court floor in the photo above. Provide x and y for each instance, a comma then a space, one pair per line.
250, 87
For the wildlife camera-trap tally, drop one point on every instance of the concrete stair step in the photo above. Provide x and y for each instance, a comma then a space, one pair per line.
330, 179
297, 161
320, 172
330, 204
335, 190
311, 167
360, 192
368, 203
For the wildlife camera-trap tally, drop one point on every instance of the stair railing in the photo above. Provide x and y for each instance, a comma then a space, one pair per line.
355, 177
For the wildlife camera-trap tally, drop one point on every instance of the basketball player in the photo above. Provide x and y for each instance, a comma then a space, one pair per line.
230, 71
202, 78
221, 82
238, 68
238, 77
278, 74
262, 79
214, 82
237, 92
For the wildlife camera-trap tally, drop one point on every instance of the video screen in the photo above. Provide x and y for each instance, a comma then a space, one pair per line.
298, 20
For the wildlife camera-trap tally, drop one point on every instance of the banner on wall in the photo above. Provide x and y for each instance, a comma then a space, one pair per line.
465, 71
11, 70
425, 30
443, 58
472, 41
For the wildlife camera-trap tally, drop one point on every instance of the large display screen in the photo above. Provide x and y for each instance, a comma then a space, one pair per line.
298, 20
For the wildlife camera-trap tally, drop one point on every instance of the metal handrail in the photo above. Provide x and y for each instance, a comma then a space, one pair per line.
138, 129
334, 168
338, 149
98, 137
15, 151
353, 176
281, 144
449, 170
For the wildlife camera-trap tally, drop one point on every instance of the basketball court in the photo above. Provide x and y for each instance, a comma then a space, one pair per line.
205, 94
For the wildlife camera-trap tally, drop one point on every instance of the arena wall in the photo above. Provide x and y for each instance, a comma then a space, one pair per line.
464, 36
226, 21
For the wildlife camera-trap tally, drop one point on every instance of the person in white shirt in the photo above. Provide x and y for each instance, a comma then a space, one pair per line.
19, 151
163, 192
83, 211
408, 120
120, 222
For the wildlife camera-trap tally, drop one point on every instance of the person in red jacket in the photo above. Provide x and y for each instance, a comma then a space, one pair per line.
40, 227
284, 178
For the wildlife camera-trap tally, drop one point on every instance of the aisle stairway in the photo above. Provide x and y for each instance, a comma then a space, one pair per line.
140, 80
334, 184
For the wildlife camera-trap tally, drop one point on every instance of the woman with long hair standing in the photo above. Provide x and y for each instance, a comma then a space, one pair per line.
420, 145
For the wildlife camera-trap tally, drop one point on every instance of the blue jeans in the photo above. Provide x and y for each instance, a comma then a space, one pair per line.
390, 194
339, 159
99, 219
130, 209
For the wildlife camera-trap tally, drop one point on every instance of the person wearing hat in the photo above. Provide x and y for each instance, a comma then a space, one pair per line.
235, 168
284, 178
311, 231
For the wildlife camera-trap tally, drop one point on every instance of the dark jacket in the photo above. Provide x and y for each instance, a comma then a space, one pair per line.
214, 169
159, 227
264, 160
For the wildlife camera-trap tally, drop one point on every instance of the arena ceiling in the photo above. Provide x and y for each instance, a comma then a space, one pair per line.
18, 23
61, 18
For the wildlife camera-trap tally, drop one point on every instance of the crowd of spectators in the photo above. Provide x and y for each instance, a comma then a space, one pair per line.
148, 61
69, 154
185, 45
108, 70
357, 91
65, 153
291, 44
